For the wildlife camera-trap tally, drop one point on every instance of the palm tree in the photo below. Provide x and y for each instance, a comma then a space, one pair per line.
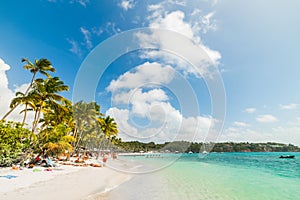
42, 66
57, 124
22, 99
94, 137
85, 116
108, 126
45, 94
58, 114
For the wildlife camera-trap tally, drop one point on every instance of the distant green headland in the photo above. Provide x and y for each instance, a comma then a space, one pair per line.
185, 147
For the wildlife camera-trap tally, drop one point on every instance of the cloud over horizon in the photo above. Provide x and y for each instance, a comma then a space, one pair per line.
143, 109
266, 118
7, 94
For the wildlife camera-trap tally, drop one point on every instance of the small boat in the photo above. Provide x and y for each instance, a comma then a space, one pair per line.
190, 152
288, 156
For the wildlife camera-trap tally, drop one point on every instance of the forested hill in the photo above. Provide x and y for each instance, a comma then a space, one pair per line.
183, 146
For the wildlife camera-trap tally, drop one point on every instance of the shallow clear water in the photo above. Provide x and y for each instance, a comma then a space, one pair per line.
214, 176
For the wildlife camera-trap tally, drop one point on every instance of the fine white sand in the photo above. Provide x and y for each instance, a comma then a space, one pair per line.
64, 182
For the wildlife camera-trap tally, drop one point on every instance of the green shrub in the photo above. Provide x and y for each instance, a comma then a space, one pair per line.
15, 142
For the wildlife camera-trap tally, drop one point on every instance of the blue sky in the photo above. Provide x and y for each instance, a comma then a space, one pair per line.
253, 44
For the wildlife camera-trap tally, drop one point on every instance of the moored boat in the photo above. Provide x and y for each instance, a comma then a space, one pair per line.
287, 156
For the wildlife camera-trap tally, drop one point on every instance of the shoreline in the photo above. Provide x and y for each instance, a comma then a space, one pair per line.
64, 182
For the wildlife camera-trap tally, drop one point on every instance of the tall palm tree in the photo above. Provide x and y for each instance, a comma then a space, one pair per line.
42, 66
46, 95
85, 115
110, 130
108, 126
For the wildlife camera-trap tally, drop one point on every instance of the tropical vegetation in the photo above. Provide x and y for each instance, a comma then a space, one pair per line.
15, 142
195, 147
58, 126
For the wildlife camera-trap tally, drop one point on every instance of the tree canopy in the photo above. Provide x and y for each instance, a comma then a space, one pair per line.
58, 125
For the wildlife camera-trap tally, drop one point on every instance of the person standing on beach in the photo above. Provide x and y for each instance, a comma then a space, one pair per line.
105, 157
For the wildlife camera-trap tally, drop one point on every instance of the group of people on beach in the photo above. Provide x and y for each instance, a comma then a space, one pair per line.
44, 160
41, 160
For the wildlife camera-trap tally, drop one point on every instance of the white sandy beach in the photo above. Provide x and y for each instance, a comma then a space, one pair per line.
63, 182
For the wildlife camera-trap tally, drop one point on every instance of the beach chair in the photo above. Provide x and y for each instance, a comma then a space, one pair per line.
49, 163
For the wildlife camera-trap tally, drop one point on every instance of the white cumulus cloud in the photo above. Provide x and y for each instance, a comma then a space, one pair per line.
7, 94
173, 126
145, 74
121, 116
266, 118
127, 4
173, 21
143, 109
240, 124
250, 110
286, 133
188, 49
291, 106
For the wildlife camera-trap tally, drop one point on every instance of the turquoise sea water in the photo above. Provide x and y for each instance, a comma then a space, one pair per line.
215, 176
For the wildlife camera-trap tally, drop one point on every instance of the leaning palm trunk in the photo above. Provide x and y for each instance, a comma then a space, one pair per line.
34, 118
37, 120
25, 115
8, 113
26, 92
